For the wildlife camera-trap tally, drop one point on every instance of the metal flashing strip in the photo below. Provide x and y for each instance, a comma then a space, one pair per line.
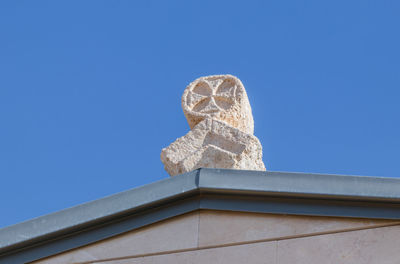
302, 206
215, 189
97, 233
97, 211
300, 184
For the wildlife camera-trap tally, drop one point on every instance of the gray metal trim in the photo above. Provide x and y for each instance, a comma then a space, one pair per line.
98, 210
94, 234
301, 206
300, 184
250, 191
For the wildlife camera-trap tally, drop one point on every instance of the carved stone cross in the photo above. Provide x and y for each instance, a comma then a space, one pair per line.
219, 115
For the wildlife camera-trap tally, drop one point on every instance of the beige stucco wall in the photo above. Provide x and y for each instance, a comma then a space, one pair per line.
232, 237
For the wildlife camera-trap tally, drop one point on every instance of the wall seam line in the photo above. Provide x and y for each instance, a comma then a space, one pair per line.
237, 244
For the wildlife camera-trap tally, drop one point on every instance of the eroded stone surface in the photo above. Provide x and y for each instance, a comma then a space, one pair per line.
213, 144
220, 97
219, 114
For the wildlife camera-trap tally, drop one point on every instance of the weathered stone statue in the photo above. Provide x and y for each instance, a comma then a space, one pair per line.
219, 115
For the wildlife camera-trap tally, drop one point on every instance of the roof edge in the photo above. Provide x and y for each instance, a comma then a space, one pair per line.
236, 183
306, 185
96, 211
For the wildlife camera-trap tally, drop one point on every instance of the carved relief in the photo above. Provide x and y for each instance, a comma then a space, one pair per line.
220, 97
219, 115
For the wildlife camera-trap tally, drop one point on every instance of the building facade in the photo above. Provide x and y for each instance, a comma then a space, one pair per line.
222, 216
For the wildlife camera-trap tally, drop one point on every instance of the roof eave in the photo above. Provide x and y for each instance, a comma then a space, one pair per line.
219, 189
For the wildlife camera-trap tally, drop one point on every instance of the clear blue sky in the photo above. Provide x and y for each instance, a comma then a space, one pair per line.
90, 90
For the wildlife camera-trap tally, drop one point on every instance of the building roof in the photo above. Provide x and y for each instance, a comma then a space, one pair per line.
217, 189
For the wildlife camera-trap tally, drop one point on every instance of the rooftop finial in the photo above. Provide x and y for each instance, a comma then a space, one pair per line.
219, 115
